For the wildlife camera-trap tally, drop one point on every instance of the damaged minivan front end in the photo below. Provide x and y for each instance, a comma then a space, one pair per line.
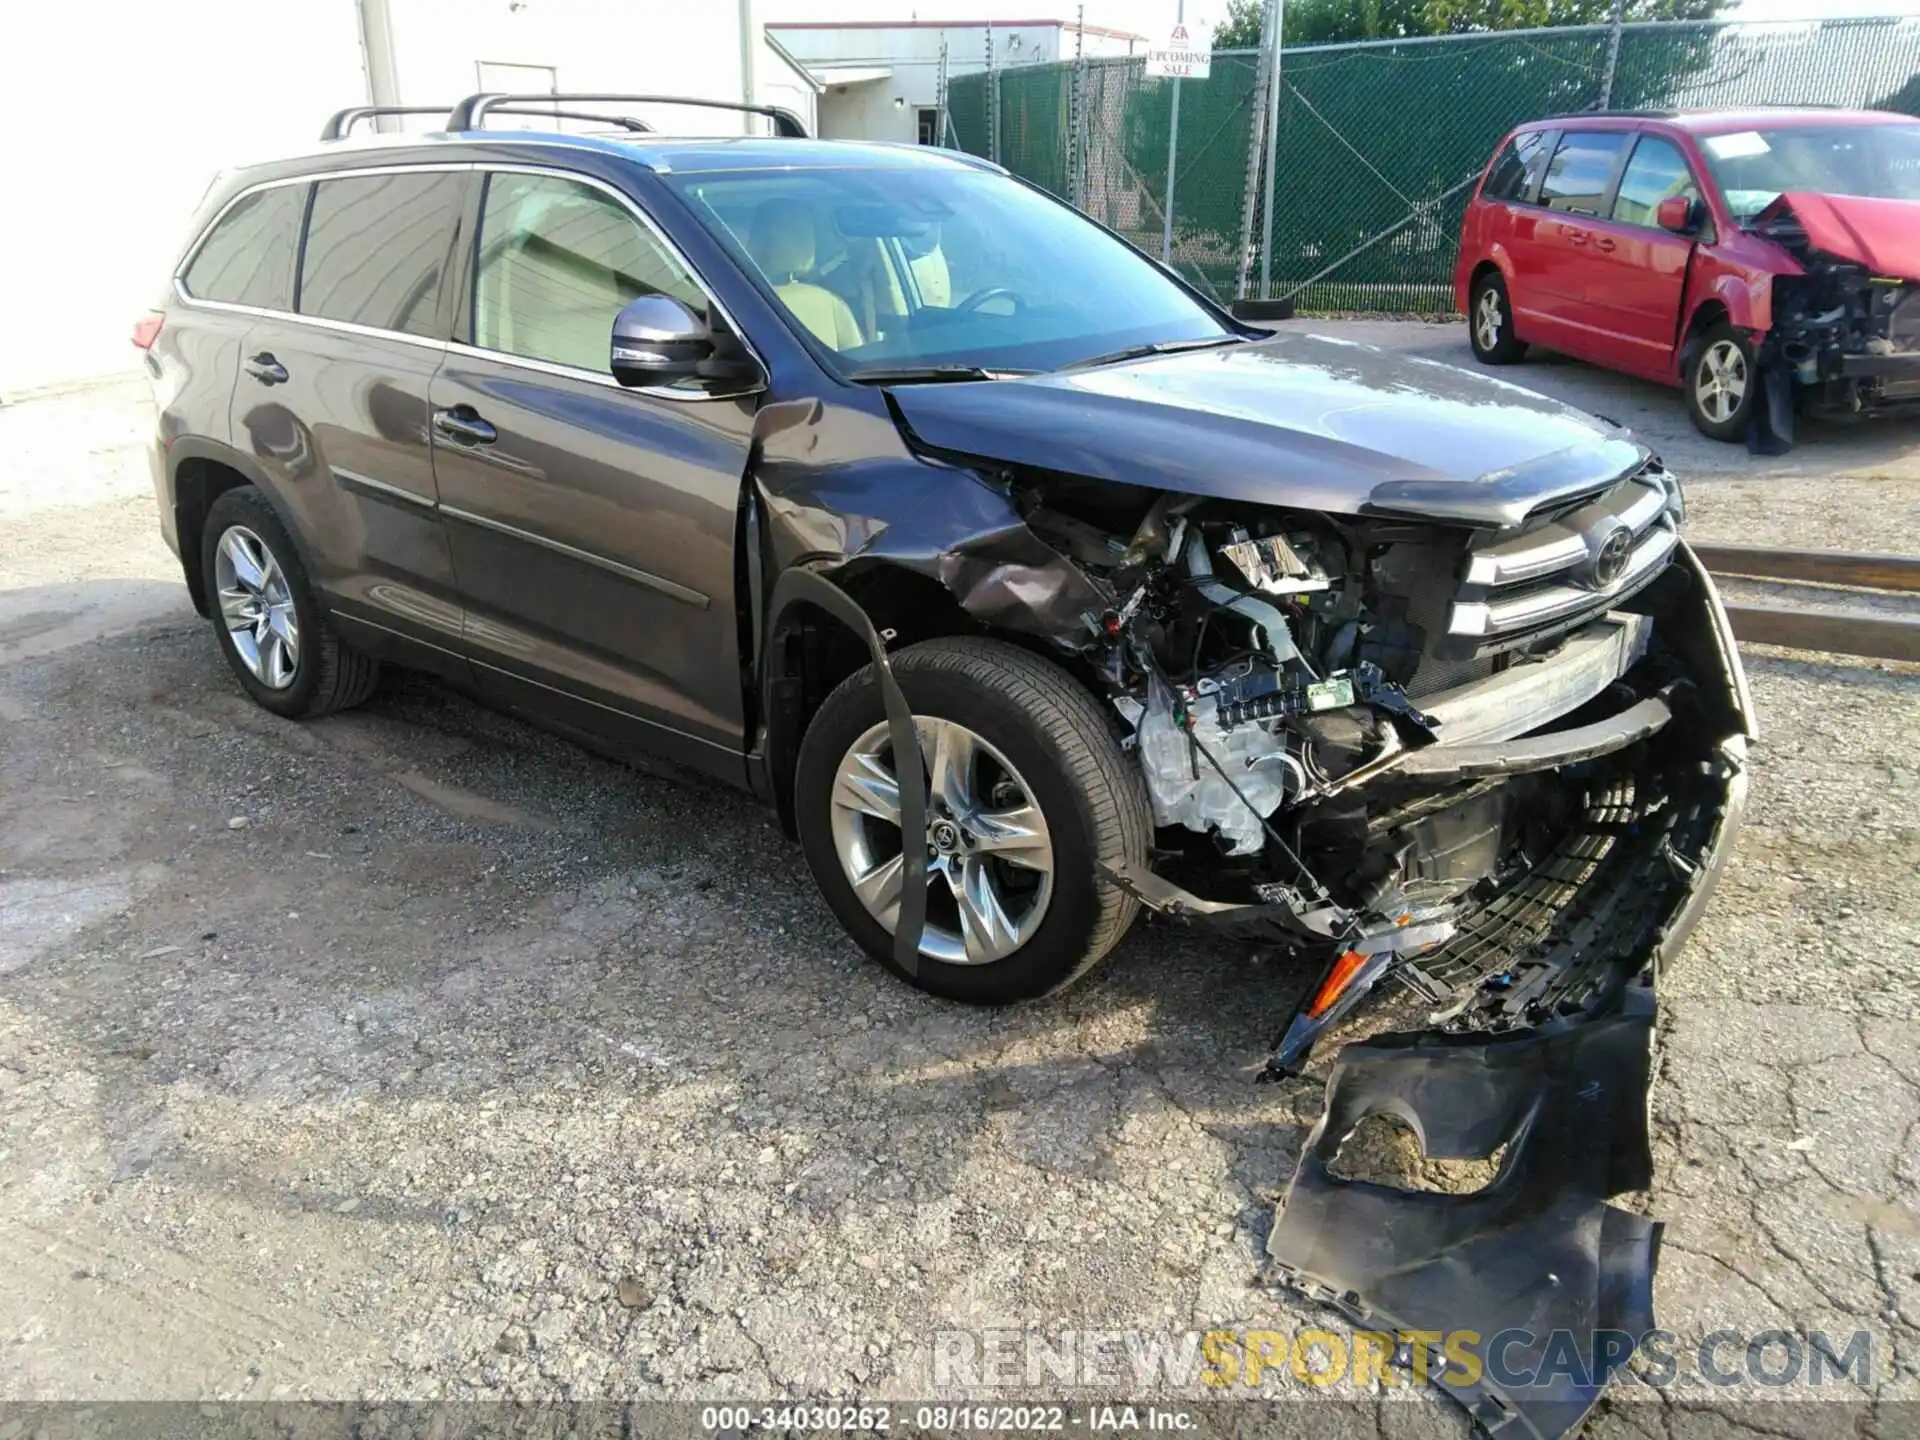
1426, 689
1846, 321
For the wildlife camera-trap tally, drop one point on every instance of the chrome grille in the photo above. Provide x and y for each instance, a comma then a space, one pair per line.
1555, 574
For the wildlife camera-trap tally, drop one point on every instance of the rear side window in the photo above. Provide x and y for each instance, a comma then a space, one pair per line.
558, 261
376, 245
1581, 169
1656, 172
247, 258
1512, 174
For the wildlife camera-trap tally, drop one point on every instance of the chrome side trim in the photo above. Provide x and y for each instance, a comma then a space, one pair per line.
1502, 617
626, 572
380, 489
314, 322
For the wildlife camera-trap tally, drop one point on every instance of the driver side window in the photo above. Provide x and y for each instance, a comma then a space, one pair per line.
559, 259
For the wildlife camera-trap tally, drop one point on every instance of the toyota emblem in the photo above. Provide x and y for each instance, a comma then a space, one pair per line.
1610, 560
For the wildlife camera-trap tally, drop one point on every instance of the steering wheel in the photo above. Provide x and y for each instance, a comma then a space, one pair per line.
993, 292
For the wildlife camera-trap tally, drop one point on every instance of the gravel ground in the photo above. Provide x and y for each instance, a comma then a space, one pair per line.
413, 1053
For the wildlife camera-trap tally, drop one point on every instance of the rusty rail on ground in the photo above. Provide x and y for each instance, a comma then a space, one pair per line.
1799, 627
1814, 567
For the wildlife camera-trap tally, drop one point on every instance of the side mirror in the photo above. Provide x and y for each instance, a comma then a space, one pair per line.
657, 340
1674, 213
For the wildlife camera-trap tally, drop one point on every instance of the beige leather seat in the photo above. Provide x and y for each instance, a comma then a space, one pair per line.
781, 243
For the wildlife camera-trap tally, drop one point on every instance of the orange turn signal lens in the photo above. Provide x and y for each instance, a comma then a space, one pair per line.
1336, 983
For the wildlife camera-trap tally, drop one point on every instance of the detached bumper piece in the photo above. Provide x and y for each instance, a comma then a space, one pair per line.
1546, 1273
1540, 1059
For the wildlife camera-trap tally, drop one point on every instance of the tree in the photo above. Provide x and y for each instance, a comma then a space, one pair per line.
1322, 22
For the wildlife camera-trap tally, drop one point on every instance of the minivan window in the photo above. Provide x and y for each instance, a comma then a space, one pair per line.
1656, 172
1578, 174
558, 261
247, 259
375, 248
1755, 166
1512, 174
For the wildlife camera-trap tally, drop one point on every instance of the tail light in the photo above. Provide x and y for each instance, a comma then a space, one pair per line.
146, 330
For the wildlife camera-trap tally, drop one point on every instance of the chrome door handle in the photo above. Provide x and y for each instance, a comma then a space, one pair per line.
463, 425
264, 368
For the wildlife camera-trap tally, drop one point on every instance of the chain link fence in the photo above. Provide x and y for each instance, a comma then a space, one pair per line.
1380, 142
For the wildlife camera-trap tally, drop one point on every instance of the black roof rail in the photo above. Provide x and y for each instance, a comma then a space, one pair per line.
471, 113
344, 120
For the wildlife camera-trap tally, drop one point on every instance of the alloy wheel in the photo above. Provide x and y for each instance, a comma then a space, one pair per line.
256, 605
988, 850
1720, 384
1488, 319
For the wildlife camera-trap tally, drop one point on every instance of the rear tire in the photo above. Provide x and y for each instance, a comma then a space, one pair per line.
1044, 743
1490, 322
1723, 384
278, 640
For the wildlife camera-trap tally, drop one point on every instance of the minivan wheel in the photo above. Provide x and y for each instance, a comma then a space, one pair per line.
1490, 322
1722, 385
270, 626
1028, 792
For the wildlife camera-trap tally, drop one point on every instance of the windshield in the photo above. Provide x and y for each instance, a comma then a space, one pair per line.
1754, 167
941, 267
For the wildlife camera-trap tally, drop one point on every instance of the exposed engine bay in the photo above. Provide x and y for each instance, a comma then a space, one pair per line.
1836, 313
1388, 745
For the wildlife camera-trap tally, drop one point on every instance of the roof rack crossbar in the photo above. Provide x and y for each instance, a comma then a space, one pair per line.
341, 121
471, 113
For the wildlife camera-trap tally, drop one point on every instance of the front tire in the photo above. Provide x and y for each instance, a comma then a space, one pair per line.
272, 630
1490, 322
1029, 791
1723, 384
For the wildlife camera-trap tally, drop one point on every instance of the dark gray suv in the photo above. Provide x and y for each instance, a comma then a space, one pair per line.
784, 459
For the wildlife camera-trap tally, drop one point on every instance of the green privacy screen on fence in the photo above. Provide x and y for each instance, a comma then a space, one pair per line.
1380, 142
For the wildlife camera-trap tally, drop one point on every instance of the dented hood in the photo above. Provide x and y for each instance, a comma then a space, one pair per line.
1299, 420
1883, 235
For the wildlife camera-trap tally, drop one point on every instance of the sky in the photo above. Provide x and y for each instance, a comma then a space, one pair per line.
1154, 18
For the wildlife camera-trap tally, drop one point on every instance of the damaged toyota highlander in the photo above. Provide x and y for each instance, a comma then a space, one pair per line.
1032, 589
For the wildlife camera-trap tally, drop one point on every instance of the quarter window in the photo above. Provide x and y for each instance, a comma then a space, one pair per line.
1512, 175
376, 245
1656, 172
558, 261
1581, 169
247, 259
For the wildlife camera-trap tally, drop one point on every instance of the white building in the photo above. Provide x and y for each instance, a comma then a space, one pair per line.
128, 111
882, 79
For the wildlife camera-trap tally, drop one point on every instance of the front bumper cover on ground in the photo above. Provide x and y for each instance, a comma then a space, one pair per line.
1546, 1274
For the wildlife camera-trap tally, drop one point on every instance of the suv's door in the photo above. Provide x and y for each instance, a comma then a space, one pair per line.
1640, 271
1575, 191
593, 527
332, 403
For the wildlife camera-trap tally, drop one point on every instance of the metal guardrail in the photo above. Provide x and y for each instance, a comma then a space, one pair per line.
1800, 627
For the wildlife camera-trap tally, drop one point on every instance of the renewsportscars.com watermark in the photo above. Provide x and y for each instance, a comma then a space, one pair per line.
1218, 1362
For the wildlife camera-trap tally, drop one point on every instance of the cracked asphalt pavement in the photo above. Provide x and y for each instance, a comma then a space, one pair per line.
415, 1053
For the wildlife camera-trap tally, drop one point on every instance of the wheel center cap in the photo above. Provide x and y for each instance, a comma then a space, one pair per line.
945, 836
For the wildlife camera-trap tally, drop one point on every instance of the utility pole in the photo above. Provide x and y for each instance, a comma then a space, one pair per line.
993, 103
1258, 139
1273, 142
1613, 54
749, 53
1075, 112
1173, 153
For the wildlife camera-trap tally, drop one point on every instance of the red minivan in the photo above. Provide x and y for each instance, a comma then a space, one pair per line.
1745, 256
